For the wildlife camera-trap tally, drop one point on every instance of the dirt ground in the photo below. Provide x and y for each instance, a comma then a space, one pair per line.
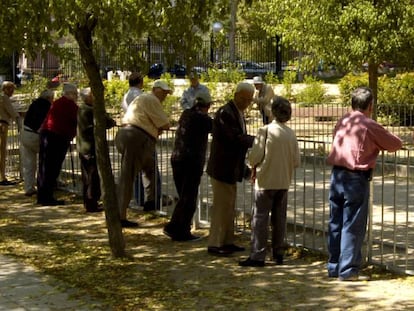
71, 245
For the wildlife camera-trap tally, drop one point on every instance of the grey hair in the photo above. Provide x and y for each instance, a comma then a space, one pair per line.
244, 86
69, 88
281, 109
84, 93
47, 94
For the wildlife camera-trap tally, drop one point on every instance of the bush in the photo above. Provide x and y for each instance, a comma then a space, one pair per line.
395, 103
289, 77
349, 83
313, 94
114, 92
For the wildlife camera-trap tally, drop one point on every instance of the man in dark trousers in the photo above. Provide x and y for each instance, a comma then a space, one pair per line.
226, 166
56, 133
85, 144
29, 138
187, 160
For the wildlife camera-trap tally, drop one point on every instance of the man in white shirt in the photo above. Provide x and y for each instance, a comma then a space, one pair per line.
189, 95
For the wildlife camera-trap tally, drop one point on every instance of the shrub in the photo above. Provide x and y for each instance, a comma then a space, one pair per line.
114, 92
289, 77
349, 83
395, 103
313, 94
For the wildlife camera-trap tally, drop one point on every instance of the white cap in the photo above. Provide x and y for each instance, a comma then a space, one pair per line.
257, 80
203, 98
162, 85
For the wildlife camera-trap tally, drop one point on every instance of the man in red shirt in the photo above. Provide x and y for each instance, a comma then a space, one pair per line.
357, 141
56, 133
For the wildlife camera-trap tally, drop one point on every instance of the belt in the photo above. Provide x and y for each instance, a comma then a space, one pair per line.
367, 173
140, 129
4, 122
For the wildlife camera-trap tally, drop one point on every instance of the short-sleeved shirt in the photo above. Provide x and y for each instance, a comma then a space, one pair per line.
189, 95
146, 112
132, 93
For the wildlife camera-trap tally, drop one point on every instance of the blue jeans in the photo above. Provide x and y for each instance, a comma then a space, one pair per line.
348, 199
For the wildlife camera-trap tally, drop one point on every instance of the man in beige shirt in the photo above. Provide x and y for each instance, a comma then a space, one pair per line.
142, 123
7, 114
262, 97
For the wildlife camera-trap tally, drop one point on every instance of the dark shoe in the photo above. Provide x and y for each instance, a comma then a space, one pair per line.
218, 251
354, 278
278, 259
51, 202
7, 183
149, 206
95, 210
167, 233
251, 263
30, 192
128, 224
187, 238
234, 248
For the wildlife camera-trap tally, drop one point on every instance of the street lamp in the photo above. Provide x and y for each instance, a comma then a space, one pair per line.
217, 27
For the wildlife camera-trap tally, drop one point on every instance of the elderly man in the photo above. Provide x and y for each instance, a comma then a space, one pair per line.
189, 95
85, 144
56, 133
29, 138
143, 122
263, 97
7, 114
226, 166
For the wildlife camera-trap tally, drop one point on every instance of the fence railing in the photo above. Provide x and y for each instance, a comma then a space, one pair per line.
390, 238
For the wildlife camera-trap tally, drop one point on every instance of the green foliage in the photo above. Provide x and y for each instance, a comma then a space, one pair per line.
313, 94
289, 77
229, 73
32, 88
114, 92
349, 83
395, 104
271, 78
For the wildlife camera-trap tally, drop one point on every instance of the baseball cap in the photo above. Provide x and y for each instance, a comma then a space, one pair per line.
257, 80
162, 85
203, 98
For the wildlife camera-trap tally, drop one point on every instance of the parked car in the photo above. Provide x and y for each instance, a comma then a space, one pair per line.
156, 70
252, 69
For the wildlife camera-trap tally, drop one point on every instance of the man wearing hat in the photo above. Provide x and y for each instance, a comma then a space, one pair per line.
189, 95
187, 160
56, 133
142, 123
7, 114
263, 96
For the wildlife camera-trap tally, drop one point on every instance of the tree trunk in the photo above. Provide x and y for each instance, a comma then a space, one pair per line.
373, 84
83, 35
232, 32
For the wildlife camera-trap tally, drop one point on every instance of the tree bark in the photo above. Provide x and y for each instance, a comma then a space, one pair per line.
83, 35
373, 84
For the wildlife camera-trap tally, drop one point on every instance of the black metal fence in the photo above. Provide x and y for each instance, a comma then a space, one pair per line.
253, 56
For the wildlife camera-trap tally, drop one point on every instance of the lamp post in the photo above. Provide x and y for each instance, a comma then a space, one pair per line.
217, 26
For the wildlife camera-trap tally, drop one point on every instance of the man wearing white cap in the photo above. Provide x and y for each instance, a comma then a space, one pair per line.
189, 95
142, 123
7, 114
187, 161
263, 96
56, 133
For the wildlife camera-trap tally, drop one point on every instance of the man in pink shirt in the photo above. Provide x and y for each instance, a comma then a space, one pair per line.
356, 144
